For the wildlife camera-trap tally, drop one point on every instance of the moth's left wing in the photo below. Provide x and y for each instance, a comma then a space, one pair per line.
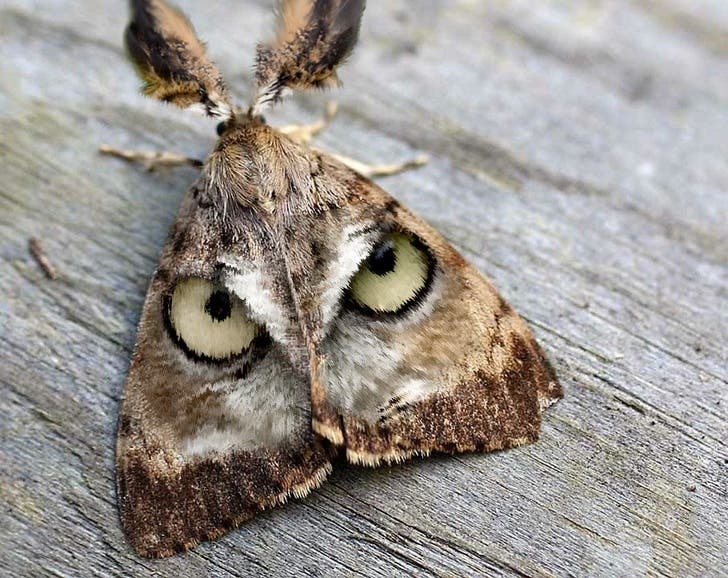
215, 424
416, 350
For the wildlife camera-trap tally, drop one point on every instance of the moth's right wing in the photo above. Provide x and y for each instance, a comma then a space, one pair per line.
215, 424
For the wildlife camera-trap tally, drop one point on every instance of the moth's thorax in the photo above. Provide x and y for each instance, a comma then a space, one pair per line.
253, 166
256, 166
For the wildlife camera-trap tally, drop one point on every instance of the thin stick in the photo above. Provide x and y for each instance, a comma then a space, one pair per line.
39, 255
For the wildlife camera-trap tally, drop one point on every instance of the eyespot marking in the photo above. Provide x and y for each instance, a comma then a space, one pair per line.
395, 277
207, 322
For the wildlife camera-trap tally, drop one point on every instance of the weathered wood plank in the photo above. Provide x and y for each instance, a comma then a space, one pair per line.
579, 158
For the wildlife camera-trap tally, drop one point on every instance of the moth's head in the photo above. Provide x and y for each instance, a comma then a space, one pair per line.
240, 121
313, 37
255, 167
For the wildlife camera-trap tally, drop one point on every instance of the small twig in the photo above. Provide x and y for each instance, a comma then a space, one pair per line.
39, 255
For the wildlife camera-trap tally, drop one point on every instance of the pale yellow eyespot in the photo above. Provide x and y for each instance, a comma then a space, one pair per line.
394, 276
209, 321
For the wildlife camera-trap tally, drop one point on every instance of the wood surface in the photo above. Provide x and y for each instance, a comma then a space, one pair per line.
579, 157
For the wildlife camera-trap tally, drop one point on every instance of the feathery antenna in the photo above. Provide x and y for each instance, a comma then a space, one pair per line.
171, 60
313, 38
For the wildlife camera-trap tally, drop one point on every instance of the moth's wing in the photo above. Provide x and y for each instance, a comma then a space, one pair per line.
171, 60
203, 446
313, 37
458, 371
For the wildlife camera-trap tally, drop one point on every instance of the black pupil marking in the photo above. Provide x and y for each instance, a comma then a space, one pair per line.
218, 306
383, 259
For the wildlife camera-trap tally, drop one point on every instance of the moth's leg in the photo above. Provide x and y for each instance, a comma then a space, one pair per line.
303, 133
381, 170
151, 160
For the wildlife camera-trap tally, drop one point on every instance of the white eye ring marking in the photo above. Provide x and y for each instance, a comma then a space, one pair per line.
208, 321
395, 275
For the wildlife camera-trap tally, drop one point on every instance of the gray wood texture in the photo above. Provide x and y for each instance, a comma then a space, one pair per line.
579, 157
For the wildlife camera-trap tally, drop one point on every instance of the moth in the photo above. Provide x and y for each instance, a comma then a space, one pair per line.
298, 313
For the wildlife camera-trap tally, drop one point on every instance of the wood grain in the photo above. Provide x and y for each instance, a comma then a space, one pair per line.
579, 158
